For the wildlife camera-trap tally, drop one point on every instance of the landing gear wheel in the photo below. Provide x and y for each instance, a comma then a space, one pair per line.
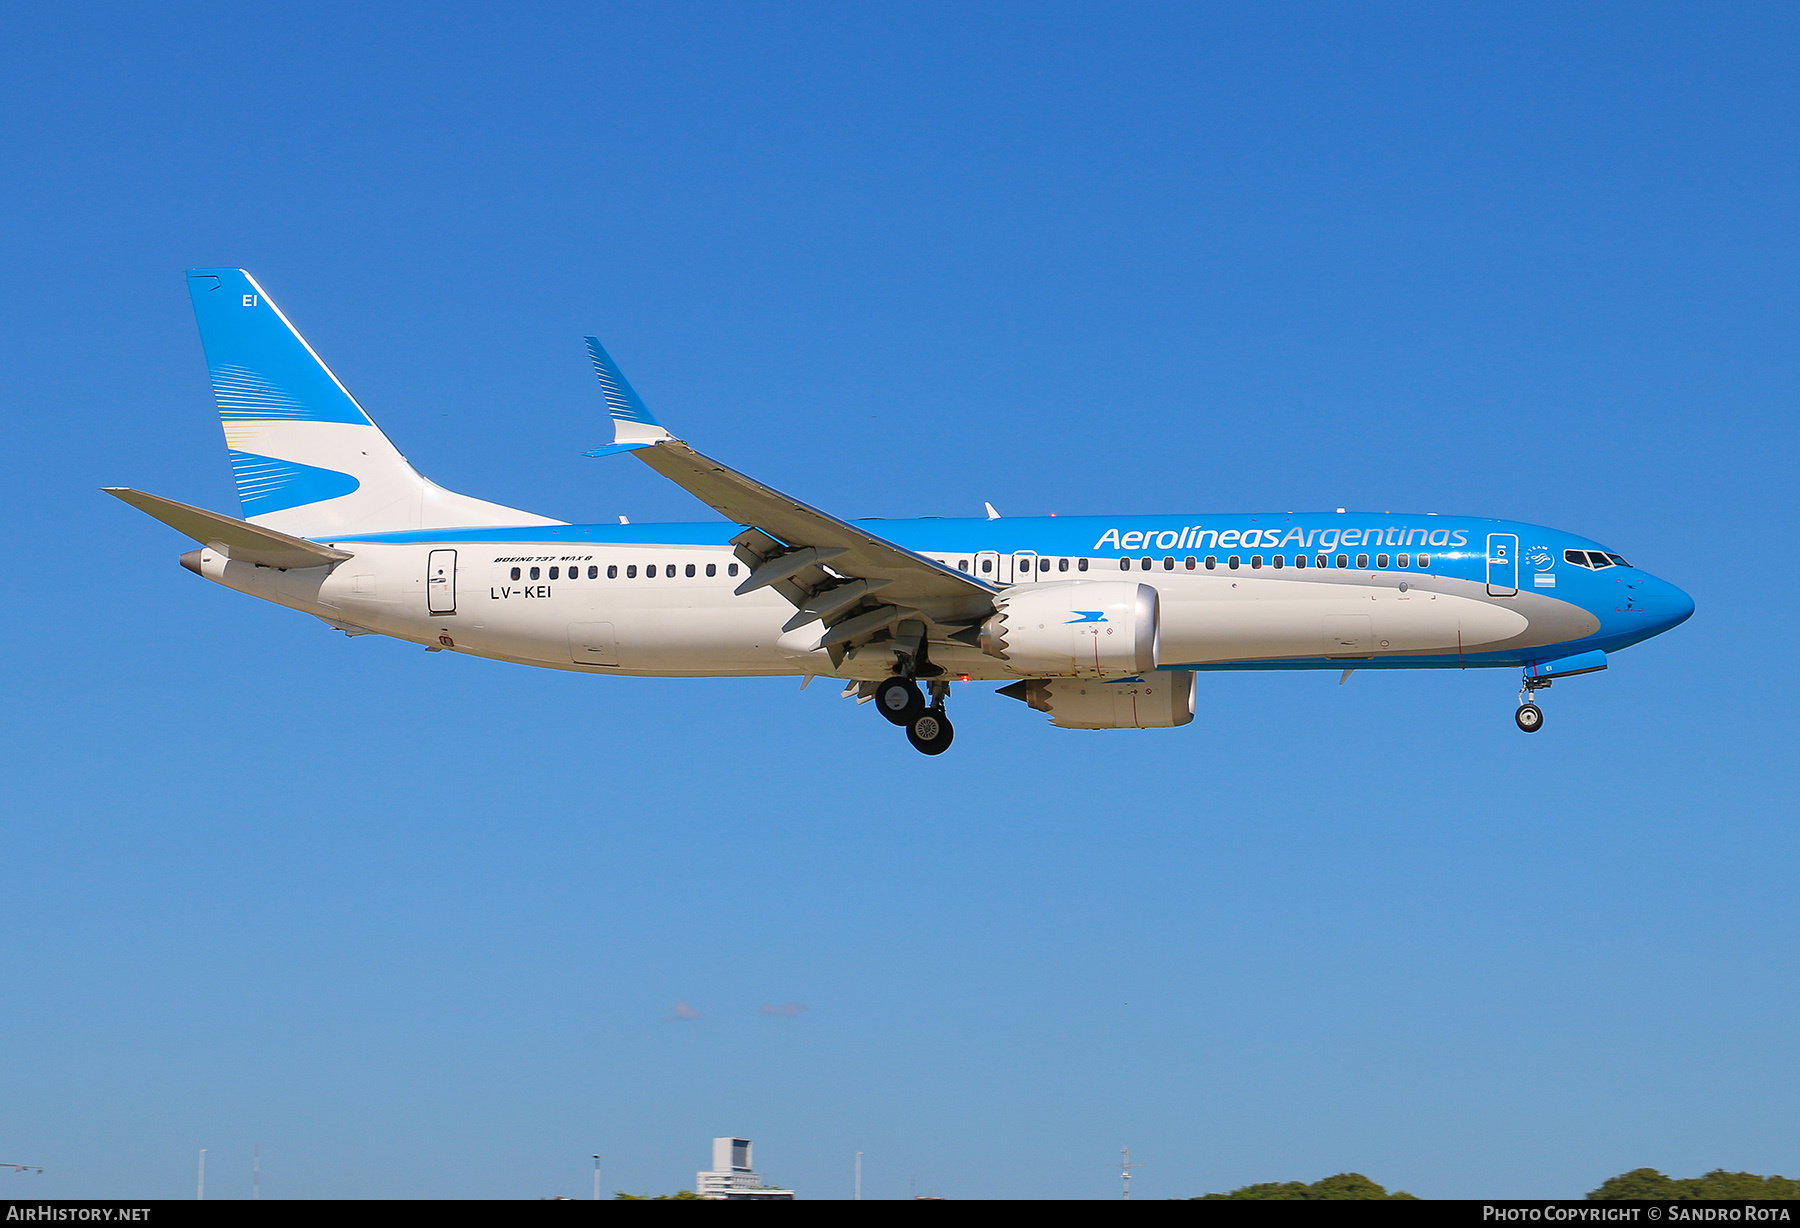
1530, 717
931, 733
899, 700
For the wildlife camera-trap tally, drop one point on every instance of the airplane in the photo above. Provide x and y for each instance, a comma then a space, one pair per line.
1102, 622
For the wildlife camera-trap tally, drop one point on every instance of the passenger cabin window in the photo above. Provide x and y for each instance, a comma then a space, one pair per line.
553, 573
1381, 560
534, 573
1124, 564
1424, 560
1062, 564
1144, 564
1080, 564
593, 573
712, 569
690, 570
1232, 562
1362, 562
731, 569
1278, 562
1191, 562
612, 571
1343, 561
1405, 560
962, 564
631, 571
515, 573
1169, 563
1212, 563
1299, 560
1255, 562
1324, 560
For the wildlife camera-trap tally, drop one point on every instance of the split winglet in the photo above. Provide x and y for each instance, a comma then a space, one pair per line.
634, 426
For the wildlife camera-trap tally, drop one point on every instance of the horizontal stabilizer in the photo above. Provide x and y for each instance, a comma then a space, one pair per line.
237, 540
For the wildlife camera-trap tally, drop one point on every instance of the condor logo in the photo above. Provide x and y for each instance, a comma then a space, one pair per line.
1087, 616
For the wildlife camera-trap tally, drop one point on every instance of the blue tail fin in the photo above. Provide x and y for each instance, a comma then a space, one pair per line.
307, 459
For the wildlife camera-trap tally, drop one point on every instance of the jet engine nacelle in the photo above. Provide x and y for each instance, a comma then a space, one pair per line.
1099, 629
1155, 701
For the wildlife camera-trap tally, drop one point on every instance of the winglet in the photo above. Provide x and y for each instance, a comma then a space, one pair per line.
634, 426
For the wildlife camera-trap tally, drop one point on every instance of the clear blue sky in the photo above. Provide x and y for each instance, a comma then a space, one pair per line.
417, 922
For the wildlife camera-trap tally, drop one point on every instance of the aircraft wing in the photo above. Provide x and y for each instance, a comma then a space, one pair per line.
835, 572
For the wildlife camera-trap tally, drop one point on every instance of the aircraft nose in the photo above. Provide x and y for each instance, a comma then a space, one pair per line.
1669, 606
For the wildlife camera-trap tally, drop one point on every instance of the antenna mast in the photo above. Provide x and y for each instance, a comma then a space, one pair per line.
1125, 1166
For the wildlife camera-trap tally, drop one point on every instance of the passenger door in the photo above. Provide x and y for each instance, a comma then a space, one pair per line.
1503, 564
440, 582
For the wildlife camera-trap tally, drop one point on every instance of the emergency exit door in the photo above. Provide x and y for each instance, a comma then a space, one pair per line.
1503, 565
440, 582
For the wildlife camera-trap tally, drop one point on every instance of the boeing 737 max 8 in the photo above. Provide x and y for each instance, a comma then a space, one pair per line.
1102, 622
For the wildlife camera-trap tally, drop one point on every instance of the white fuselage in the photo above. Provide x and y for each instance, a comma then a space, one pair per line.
671, 610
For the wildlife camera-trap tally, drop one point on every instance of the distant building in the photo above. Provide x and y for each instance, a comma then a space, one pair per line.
731, 1175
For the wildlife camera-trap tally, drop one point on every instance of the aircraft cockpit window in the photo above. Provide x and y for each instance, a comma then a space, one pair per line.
612, 571
1618, 560
1599, 560
631, 572
534, 573
515, 573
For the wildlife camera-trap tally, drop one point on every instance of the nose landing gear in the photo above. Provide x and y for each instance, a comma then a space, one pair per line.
1530, 717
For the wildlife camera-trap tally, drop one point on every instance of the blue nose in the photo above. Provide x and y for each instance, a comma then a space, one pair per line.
1667, 605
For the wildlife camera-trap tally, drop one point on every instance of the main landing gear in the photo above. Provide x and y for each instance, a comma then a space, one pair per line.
1530, 717
927, 728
